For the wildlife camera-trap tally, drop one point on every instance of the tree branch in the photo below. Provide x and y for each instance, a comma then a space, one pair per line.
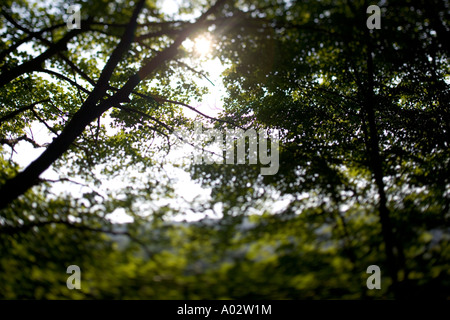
90, 111
20, 110
63, 77
32, 65
13, 142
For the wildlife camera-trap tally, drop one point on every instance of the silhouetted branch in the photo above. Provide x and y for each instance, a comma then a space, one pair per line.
20, 110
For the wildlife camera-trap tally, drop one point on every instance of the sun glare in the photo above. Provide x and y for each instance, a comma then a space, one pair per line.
202, 45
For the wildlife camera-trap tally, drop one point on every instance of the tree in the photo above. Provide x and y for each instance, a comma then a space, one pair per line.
98, 101
362, 119
71, 80
360, 115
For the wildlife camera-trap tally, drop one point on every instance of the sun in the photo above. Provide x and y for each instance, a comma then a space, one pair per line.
203, 45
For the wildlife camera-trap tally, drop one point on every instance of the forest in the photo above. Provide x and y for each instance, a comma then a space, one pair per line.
224, 149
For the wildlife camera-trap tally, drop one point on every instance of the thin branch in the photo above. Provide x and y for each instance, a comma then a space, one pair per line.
63, 77
147, 24
151, 127
171, 130
162, 124
15, 24
14, 46
20, 110
158, 34
179, 62
33, 64
193, 70
200, 113
13, 142
78, 70
45, 123
31, 33
345, 97
74, 182
98, 130
160, 99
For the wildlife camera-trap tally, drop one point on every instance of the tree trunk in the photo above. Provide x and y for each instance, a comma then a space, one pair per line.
376, 162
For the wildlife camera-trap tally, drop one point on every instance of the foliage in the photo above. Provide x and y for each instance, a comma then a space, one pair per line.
362, 117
